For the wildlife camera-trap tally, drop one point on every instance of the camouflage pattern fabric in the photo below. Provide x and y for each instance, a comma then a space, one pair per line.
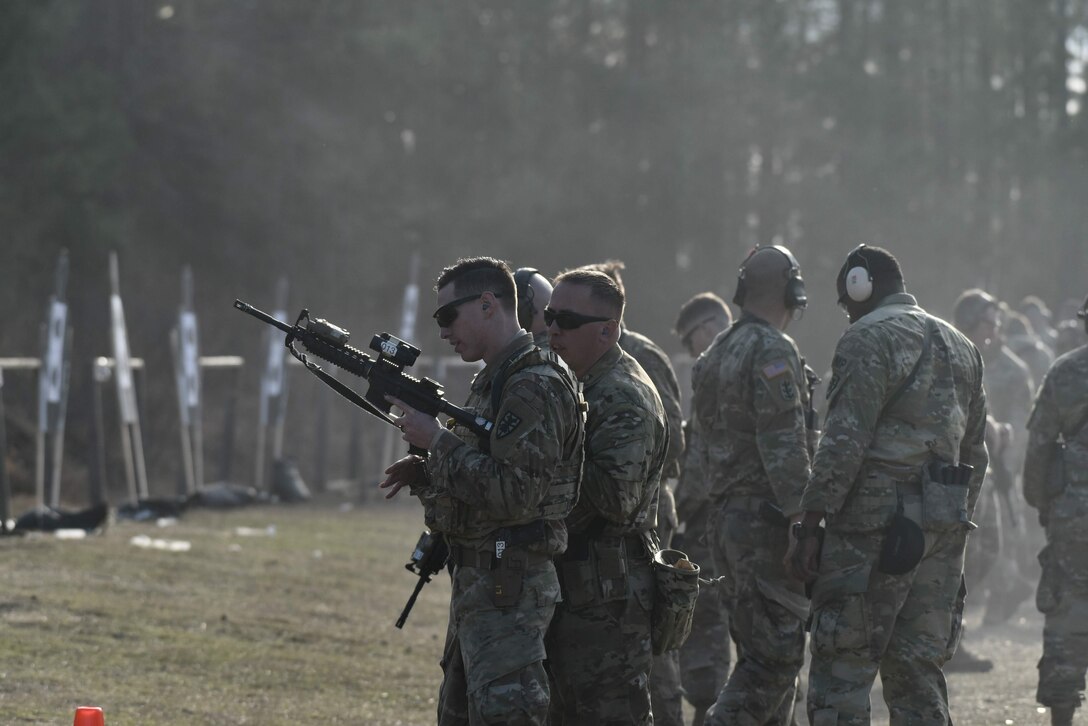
493, 670
1035, 354
1009, 391
665, 683
599, 648
869, 460
748, 409
704, 658
657, 366
1056, 482
492, 665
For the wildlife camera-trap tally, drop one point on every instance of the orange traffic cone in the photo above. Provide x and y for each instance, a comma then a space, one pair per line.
89, 716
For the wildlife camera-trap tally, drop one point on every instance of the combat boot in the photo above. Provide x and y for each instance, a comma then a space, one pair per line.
1062, 715
964, 661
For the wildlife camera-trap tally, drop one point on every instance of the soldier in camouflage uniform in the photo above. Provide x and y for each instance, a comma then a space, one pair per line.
599, 647
748, 410
665, 686
1009, 390
1056, 483
501, 504
704, 658
906, 410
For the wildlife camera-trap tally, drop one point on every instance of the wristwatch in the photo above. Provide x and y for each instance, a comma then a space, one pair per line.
800, 531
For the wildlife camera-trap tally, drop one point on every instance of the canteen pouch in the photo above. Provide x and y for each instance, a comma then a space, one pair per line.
944, 497
674, 605
904, 545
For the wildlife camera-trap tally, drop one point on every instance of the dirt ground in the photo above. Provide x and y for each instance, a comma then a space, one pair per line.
284, 615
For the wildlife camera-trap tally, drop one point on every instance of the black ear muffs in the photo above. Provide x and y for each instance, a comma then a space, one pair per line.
525, 294
795, 297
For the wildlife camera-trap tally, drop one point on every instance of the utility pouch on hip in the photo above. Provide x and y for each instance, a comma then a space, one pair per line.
944, 497
904, 545
676, 581
508, 577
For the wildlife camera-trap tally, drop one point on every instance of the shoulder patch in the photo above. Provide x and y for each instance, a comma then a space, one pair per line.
775, 368
507, 425
787, 390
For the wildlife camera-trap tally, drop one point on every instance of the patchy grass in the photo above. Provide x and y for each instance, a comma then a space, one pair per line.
292, 628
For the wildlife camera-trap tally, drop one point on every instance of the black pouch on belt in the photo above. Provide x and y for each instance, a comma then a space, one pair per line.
508, 577
904, 543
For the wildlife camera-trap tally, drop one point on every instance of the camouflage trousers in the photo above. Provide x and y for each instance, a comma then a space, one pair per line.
985, 545
493, 670
905, 627
768, 612
1062, 597
665, 689
704, 658
599, 650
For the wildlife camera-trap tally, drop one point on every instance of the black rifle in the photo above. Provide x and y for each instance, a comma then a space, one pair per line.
387, 378
428, 558
385, 373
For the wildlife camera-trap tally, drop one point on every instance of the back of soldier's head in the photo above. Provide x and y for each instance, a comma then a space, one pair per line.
876, 274
770, 277
700, 308
972, 307
1035, 309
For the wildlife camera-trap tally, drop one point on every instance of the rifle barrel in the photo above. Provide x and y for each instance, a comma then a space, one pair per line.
263, 316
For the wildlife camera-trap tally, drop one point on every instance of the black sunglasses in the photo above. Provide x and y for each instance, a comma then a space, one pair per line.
567, 320
446, 314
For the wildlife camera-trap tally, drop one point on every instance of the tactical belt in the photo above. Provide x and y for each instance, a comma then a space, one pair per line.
634, 544
504, 538
466, 557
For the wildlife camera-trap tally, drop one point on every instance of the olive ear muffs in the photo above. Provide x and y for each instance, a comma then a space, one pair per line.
525, 294
795, 298
859, 280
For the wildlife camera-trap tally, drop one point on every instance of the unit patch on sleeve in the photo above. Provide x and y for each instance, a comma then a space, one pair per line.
787, 389
507, 425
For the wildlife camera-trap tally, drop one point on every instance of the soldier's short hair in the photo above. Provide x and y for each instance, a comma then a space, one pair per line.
601, 288
612, 268
699, 308
971, 307
471, 275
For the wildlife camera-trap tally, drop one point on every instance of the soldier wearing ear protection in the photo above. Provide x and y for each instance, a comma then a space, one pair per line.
749, 410
534, 291
896, 477
1056, 483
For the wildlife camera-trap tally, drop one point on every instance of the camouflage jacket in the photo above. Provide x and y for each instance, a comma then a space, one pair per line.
693, 489
626, 441
658, 367
533, 467
1009, 387
748, 405
940, 415
1060, 407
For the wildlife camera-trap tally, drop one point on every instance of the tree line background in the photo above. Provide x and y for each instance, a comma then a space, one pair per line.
329, 139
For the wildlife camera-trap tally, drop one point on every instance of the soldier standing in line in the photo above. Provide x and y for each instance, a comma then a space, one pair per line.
704, 658
501, 504
906, 424
1056, 483
665, 686
1009, 389
749, 411
599, 648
